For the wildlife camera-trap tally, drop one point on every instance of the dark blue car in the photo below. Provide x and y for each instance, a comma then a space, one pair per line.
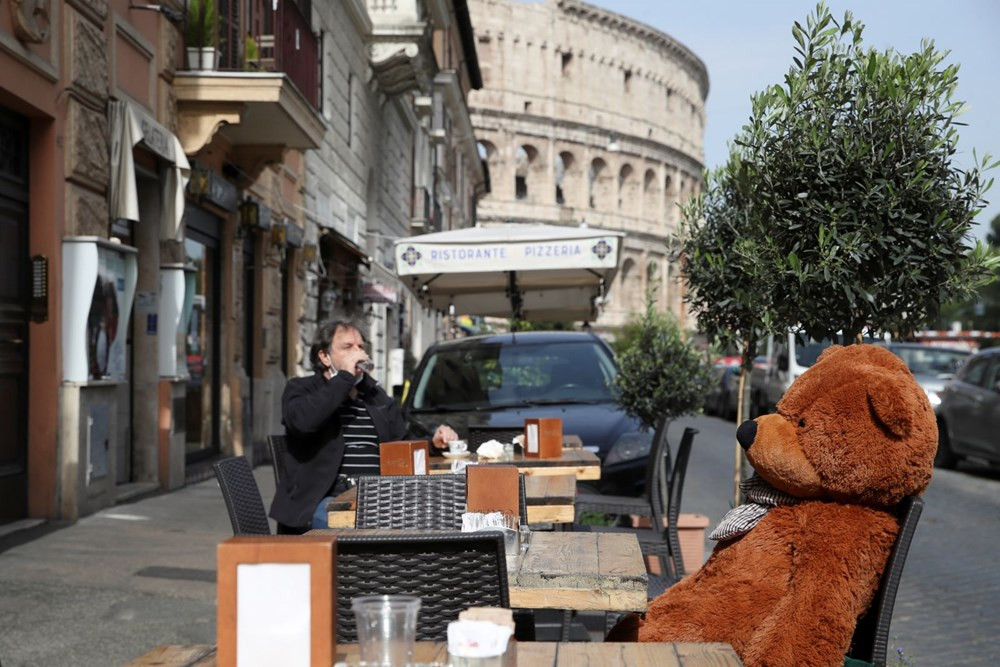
498, 381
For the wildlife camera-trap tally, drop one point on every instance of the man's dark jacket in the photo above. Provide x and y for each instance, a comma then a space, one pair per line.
314, 440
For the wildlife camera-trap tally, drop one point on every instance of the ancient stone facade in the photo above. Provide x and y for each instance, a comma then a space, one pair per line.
586, 116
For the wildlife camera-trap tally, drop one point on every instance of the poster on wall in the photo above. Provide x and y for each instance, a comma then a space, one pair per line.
107, 318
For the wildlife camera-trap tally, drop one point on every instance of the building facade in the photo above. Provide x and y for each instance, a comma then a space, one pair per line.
172, 199
587, 116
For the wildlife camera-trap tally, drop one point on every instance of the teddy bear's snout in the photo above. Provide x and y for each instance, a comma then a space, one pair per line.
746, 434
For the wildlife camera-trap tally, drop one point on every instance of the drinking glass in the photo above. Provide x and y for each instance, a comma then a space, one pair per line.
387, 627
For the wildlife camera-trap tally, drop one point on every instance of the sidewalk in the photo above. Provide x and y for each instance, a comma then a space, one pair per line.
115, 584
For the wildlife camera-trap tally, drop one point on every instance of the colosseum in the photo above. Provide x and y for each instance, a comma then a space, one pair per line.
587, 116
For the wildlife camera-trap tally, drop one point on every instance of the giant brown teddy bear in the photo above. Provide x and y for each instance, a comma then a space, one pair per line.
852, 436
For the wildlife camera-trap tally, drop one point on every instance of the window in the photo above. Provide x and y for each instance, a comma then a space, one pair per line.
567, 59
628, 81
564, 163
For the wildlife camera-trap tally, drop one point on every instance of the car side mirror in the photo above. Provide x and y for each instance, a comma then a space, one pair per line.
783, 362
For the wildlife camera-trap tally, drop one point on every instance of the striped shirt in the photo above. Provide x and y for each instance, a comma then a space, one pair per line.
360, 440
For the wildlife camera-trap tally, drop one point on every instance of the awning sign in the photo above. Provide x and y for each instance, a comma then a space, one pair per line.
588, 253
378, 293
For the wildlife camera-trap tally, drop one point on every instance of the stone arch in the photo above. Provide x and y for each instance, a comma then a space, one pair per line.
651, 195
526, 163
654, 281
628, 190
599, 183
629, 286
567, 178
489, 154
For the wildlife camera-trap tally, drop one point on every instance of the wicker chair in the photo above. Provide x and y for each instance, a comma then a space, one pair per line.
416, 502
276, 446
652, 501
448, 571
871, 635
242, 496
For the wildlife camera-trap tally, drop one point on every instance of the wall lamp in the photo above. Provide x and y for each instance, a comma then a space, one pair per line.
249, 214
309, 252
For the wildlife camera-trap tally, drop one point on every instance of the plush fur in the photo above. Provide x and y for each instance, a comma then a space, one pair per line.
851, 437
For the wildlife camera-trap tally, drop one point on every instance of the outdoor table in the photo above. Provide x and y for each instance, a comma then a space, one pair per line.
582, 463
550, 499
519, 654
570, 571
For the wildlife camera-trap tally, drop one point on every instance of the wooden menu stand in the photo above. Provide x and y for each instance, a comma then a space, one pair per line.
404, 457
493, 488
261, 579
543, 438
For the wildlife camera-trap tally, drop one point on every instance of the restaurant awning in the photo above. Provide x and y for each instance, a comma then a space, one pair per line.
531, 272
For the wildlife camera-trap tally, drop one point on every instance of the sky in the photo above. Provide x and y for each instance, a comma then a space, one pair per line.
747, 45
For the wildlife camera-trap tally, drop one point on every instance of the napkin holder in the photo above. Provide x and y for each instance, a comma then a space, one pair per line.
543, 438
493, 488
404, 457
262, 578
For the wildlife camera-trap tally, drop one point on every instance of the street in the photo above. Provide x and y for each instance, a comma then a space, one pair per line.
113, 585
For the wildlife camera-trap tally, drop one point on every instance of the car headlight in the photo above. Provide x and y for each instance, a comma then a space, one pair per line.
933, 397
630, 446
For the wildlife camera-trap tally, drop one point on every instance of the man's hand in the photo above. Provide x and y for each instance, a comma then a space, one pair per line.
443, 435
351, 360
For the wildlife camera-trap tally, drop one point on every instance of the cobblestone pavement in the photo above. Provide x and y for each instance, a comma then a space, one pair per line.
948, 607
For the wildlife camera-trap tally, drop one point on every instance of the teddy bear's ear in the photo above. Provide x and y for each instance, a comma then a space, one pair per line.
893, 407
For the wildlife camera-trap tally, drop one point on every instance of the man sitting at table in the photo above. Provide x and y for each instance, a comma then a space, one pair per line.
333, 421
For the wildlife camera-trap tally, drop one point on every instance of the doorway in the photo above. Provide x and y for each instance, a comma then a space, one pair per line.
14, 293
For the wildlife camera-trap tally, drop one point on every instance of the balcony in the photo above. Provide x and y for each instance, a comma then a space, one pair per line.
257, 84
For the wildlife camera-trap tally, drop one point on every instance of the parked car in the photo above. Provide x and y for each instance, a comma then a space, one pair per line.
969, 414
932, 366
500, 380
723, 395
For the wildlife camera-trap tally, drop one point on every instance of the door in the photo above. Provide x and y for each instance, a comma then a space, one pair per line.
202, 340
14, 291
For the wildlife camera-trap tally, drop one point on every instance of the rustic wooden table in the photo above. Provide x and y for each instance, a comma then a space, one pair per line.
519, 654
550, 499
582, 463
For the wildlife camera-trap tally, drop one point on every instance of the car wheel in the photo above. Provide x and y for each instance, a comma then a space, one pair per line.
944, 458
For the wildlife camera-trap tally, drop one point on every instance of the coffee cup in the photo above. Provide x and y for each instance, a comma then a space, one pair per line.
457, 446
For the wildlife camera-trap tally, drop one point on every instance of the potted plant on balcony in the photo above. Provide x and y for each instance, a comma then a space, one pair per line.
202, 28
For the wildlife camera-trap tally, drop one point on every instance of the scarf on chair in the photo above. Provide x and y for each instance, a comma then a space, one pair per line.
760, 498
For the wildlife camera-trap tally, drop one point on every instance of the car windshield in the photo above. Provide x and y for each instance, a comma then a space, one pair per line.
807, 354
931, 360
493, 375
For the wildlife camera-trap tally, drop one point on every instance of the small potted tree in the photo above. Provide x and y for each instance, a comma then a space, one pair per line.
661, 377
202, 28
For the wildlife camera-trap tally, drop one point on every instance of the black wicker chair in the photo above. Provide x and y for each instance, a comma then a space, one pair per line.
242, 496
276, 446
871, 635
652, 501
448, 571
416, 502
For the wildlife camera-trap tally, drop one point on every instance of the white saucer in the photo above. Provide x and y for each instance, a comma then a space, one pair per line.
454, 455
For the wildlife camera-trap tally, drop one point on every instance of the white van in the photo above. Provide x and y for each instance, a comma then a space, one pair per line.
785, 359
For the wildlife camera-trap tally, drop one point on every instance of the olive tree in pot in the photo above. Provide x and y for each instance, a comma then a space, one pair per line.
200, 34
661, 376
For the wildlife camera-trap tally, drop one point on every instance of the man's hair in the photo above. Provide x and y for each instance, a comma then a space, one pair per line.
321, 340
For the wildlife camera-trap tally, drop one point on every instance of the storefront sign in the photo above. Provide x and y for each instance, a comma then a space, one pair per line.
596, 253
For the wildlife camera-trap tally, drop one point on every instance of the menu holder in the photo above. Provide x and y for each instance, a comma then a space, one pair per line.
493, 488
403, 457
277, 601
543, 438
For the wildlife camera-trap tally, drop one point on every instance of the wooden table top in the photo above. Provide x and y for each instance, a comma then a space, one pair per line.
519, 654
581, 571
582, 463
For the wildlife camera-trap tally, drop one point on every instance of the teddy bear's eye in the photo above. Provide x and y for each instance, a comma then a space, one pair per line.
802, 422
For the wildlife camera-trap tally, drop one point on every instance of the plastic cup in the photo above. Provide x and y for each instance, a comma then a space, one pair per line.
387, 627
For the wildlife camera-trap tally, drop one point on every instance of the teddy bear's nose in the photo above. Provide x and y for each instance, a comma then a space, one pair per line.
746, 433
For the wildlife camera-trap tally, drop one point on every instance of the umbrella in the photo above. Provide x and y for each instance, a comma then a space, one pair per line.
530, 272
